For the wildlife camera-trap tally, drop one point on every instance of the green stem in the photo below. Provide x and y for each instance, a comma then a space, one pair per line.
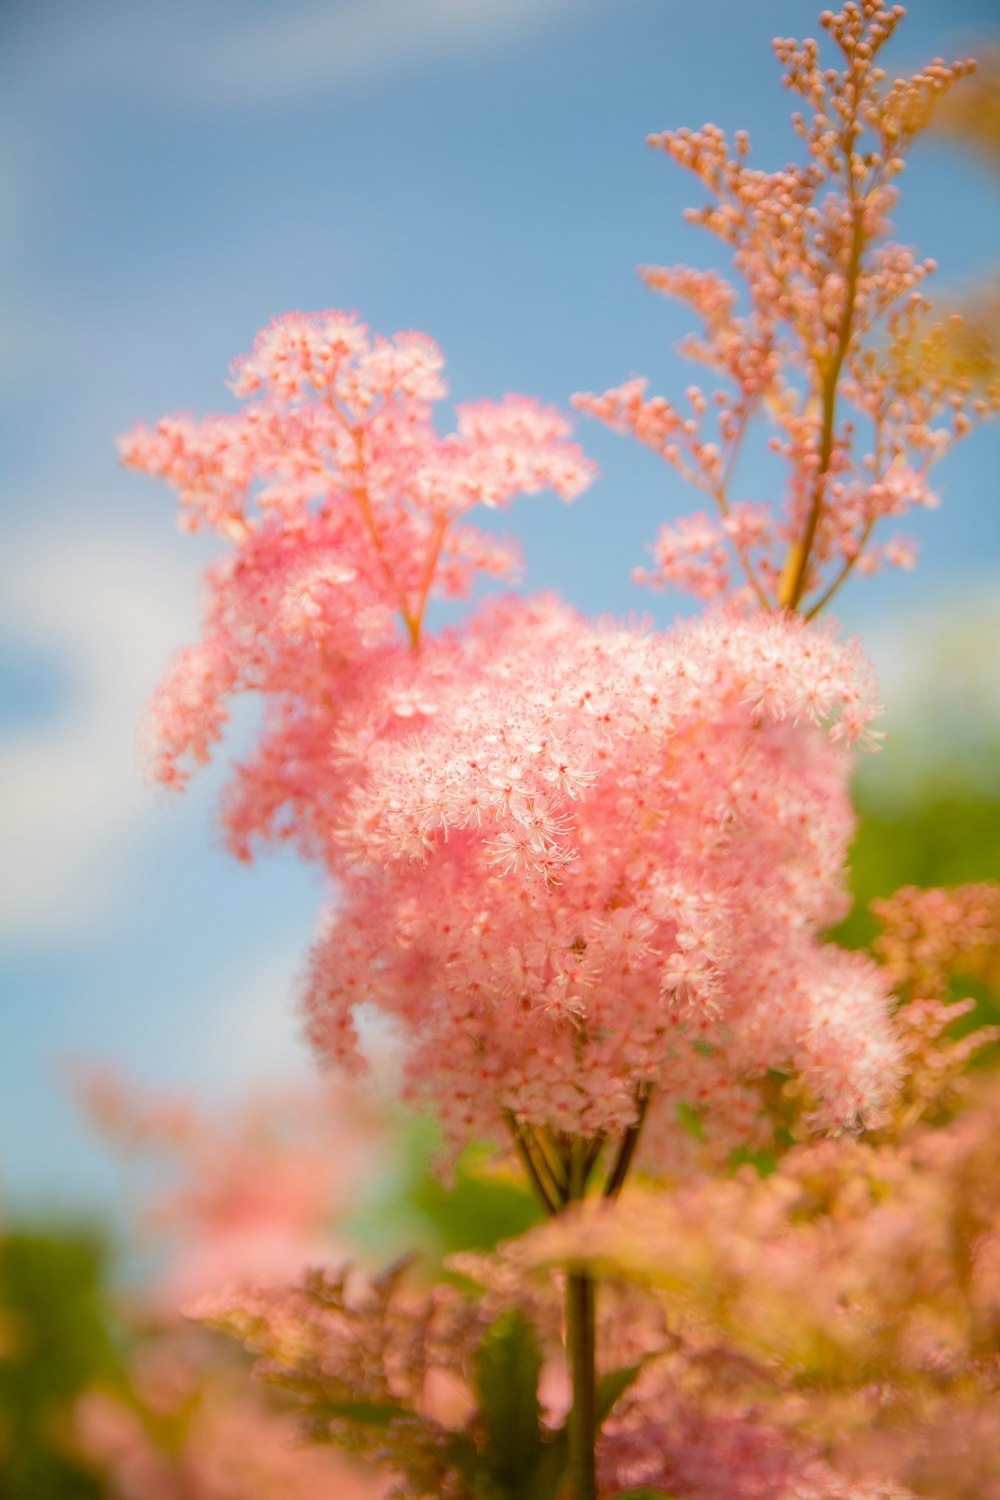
559, 1169
547, 1195
627, 1149
581, 1346
581, 1341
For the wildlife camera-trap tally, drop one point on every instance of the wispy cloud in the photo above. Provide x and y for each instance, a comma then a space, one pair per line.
230, 54
357, 40
110, 609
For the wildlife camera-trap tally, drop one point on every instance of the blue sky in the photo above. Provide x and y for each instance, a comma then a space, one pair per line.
172, 177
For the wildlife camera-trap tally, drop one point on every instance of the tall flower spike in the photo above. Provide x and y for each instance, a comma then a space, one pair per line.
830, 338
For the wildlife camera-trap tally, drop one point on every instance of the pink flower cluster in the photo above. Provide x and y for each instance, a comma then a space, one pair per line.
929, 934
254, 1196
574, 863
601, 865
830, 339
191, 1429
346, 511
585, 871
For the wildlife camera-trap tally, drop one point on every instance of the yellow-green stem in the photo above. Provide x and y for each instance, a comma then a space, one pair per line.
796, 576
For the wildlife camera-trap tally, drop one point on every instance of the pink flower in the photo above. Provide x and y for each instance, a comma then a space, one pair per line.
829, 336
346, 512
606, 849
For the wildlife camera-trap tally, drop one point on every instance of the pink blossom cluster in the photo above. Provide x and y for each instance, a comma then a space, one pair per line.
344, 1339
690, 1450
928, 938
830, 338
250, 1198
572, 862
346, 513
828, 1332
601, 867
585, 872
412, 1355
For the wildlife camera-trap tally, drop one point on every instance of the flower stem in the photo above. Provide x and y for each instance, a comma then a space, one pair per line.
559, 1170
547, 1194
627, 1149
581, 1339
796, 577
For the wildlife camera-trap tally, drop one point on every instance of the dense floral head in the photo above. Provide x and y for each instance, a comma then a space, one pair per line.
575, 863
346, 514
599, 865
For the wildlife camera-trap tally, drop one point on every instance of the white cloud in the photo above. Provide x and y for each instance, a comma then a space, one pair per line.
356, 40
111, 608
243, 1026
240, 55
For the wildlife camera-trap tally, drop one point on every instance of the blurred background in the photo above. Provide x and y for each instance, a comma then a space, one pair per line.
173, 176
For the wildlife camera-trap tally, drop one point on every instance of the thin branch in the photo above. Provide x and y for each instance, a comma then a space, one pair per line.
415, 620
844, 573
554, 1162
848, 565
627, 1149
592, 1154
797, 567
722, 500
549, 1202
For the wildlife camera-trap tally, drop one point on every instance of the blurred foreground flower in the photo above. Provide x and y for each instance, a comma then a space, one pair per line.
257, 1198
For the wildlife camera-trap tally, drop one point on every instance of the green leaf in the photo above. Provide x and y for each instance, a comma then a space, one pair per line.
521, 1461
546, 1480
508, 1364
478, 1210
763, 1162
612, 1386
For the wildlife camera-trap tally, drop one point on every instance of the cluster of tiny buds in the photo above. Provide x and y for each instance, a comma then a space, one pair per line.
834, 317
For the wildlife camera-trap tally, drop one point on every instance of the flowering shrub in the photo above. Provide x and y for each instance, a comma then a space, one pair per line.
586, 869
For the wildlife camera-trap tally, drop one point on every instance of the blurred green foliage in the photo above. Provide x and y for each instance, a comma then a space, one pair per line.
481, 1206
55, 1340
947, 839
932, 835
478, 1205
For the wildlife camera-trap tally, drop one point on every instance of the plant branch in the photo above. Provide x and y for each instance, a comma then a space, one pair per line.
793, 584
627, 1149
547, 1196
